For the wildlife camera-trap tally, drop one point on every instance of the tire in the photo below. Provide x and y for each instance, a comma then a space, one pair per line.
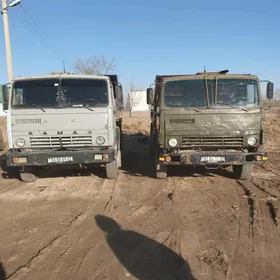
161, 175
119, 151
151, 142
242, 172
112, 170
119, 159
2, 144
12, 172
29, 175
121, 138
162, 172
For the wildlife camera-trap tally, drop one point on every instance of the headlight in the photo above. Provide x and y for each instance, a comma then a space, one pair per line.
100, 140
252, 141
20, 142
172, 142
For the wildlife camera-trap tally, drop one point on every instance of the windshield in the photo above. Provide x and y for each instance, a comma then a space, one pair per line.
187, 93
236, 92
221, 92
52, 93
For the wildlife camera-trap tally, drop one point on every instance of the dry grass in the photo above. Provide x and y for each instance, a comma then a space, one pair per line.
137, 125
272, 120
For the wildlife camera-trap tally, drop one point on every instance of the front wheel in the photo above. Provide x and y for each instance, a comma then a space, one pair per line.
112, 170
242, 172
11, 172
161, 173
2, 144
29, 175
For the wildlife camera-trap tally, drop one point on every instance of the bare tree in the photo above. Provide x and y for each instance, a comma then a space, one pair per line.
133, 97
94, 65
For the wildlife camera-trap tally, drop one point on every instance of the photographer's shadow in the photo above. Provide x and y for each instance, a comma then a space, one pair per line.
144, 258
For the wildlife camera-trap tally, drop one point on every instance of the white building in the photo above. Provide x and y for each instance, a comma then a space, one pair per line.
137, 102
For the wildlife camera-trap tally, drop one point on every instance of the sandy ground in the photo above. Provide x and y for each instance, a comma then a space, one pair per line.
202, 226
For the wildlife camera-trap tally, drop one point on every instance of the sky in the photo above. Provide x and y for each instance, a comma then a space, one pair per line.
146, 37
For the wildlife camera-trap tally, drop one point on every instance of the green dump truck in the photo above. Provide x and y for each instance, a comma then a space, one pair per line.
211, 119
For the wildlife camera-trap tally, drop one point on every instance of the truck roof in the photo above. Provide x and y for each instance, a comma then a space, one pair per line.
220, 74
113, 78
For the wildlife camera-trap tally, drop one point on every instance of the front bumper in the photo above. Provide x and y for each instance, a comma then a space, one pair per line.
211, 158
49, 158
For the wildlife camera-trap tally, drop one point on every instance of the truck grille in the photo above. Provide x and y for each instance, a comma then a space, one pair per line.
28, 121
212, 141
57, 142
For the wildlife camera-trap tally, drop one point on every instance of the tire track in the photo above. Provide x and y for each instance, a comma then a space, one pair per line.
207, 224
263, 195
243, 246
99, 206
263, 222
252, 205
52, 243
273, 212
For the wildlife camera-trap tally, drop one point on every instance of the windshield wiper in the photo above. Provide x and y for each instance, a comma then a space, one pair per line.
241, 107
87, 107
195, 109
38, 107
59, 107
83, 105
187, 107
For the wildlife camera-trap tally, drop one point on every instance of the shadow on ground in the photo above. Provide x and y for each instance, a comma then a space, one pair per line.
137, 161
2, 272
141, 256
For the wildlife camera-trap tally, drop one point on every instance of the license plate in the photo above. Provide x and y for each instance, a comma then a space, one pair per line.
213, 159
60, 159
98, 157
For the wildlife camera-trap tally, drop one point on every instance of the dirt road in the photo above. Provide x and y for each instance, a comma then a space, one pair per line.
189, 226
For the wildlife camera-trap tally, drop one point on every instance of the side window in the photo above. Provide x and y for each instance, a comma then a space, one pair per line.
112, 97
18, 97
251, 94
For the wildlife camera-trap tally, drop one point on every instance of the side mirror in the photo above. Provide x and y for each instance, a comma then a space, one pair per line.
269, 90
149, 95
6, 91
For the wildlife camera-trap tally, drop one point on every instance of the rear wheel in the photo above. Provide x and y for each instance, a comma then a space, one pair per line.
242, 172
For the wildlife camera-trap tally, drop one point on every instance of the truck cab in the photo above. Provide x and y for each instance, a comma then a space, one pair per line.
211, 119
63, 119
